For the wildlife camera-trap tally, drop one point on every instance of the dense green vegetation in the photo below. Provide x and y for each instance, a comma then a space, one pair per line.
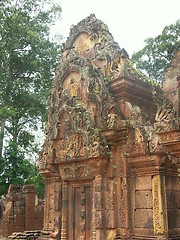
155, 57
28, 57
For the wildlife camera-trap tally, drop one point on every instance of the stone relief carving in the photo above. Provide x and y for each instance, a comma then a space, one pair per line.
138, 143
159, 205
165, 117
76, 171
114, 121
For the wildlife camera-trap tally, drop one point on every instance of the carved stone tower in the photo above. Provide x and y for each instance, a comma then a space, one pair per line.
108, 160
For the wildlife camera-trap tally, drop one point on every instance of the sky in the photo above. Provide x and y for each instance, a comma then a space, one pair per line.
129, 21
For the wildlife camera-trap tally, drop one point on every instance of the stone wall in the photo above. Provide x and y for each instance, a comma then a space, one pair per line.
21, 212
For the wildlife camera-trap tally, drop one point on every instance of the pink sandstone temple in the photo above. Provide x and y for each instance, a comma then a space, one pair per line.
111, 155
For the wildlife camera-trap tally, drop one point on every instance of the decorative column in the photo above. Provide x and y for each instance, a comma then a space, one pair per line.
57, 206
64, 211
93, 214
160, 219
46, 205
97, 209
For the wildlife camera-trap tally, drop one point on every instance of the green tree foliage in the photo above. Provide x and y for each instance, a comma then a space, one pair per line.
14, 168
28, 57
39, 185
155, 57
35, 178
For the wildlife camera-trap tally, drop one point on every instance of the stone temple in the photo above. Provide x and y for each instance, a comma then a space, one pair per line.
111, 155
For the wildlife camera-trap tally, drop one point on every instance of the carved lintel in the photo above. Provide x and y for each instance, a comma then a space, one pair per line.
75, 171
171, 142
160, 219
169, 137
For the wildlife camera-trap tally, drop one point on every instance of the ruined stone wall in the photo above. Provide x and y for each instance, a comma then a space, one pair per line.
21, 212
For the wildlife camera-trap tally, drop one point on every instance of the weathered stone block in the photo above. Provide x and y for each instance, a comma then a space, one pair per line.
19, 220
143, 218
173, 183
173, 199
143, 183
143, 199
173, 218
39, 212
176, 183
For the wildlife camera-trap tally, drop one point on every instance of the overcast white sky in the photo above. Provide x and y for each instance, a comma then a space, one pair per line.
129, 21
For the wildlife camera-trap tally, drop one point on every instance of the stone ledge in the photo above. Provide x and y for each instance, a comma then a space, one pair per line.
25, 235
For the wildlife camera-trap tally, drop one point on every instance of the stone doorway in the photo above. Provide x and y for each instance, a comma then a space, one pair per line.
80, 211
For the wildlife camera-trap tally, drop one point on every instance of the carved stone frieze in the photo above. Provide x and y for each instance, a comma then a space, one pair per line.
170, 137
171, 142
76, 171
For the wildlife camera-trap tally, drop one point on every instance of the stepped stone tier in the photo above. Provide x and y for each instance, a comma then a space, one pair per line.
111, 154
29, 235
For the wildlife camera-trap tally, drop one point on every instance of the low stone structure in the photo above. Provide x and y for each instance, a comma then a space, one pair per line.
21, 212
111, 155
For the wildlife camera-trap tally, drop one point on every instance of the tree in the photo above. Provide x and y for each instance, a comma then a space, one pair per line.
14, 168
155, 57
28, 57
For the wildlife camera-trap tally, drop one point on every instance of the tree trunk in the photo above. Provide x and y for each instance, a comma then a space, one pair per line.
6, 101
2, 136
15, 131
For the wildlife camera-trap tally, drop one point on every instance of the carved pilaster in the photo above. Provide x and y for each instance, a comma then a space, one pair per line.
97, 207
160, 219
56, 206
64, 211
46, 205
94, 214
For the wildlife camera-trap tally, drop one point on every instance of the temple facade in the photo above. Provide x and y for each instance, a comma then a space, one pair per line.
111, 154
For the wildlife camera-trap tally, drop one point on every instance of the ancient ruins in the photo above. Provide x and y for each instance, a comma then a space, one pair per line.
111, 155
20, 211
